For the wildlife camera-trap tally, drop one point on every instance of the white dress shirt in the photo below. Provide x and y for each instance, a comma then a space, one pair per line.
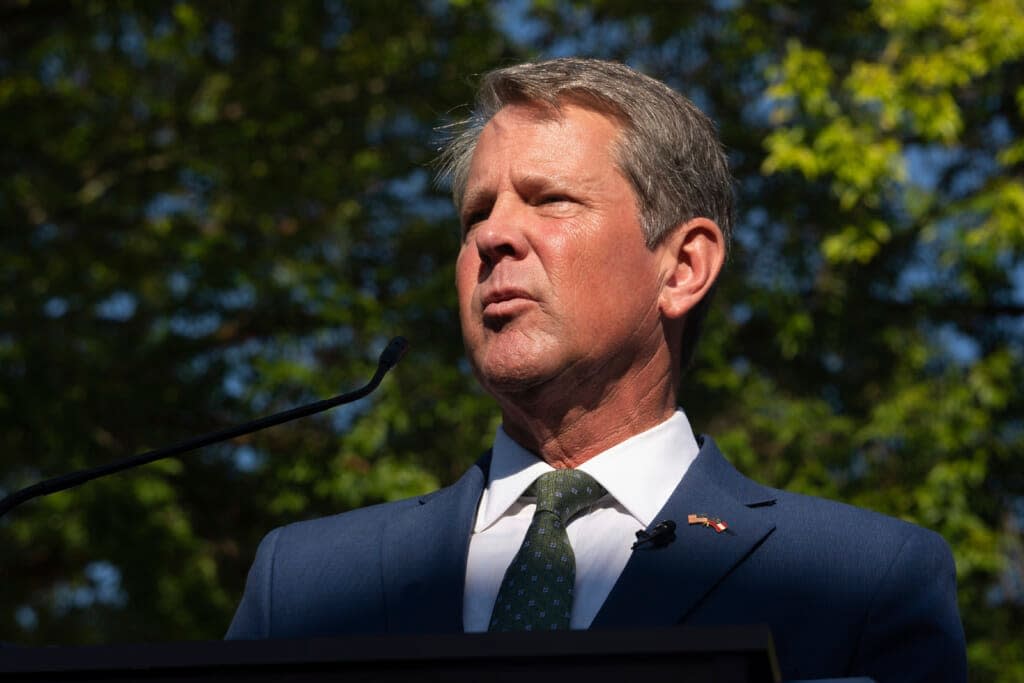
639, 474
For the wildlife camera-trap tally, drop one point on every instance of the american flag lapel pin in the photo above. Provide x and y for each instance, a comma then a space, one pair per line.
715, 523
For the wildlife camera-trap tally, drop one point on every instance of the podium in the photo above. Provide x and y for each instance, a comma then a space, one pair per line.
695, 655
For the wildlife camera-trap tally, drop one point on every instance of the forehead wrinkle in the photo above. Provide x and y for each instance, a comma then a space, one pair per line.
538, 169
524, 135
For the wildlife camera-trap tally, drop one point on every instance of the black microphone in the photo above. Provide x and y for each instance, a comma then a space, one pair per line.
660, 535
389, 357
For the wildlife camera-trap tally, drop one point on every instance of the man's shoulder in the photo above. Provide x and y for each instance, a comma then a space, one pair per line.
853, 528
365, 516
364, 525
812, 521
298, 552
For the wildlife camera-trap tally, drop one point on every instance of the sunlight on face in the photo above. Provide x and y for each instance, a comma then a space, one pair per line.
555, 282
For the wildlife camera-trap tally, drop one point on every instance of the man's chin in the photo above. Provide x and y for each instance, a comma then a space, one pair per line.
509, 382
511, 379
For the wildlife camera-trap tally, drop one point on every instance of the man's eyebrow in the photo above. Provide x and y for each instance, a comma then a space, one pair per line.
539, 181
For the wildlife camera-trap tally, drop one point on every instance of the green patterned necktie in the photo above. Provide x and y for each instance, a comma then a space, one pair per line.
536, 593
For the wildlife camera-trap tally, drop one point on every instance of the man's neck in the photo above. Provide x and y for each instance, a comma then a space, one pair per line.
566, 431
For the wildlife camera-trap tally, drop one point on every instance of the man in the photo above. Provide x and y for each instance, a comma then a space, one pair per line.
595, 206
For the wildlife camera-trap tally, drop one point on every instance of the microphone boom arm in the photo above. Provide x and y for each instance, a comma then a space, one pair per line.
388, 358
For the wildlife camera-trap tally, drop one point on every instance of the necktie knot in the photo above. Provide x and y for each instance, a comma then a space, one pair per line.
565, 493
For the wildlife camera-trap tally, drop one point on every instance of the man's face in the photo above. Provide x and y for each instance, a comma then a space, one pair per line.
556, 286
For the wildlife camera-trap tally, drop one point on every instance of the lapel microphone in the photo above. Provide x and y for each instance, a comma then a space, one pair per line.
389, 357
660, 535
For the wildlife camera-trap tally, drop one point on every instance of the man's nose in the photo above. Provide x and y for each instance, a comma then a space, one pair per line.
502, 234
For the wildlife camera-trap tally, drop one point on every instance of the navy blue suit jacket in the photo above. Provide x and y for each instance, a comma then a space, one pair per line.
845, 591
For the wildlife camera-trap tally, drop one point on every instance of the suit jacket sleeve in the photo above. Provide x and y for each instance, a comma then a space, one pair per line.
914, 631
252, 618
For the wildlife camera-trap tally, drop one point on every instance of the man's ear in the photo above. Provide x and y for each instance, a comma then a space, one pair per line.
694, 253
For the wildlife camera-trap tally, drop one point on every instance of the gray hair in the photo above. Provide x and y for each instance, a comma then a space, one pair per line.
669, 150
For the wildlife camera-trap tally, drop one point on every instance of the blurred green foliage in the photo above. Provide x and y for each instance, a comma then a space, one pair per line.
215, 211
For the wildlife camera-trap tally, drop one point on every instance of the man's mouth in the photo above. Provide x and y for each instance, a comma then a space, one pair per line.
505, 302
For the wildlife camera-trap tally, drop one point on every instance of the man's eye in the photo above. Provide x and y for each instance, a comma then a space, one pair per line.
472, 218
553, 199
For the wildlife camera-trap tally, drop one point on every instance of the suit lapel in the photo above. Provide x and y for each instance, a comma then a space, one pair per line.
423, 557
660, 586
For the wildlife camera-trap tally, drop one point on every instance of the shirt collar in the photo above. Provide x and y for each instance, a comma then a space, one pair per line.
640, 473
